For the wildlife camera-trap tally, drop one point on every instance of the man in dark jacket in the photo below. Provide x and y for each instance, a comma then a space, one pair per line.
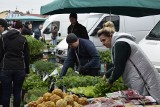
3, 30
14, 64
37, 32
85, 53
76, 28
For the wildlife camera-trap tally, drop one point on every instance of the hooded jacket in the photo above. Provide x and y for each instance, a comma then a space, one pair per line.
139, 73
14, 51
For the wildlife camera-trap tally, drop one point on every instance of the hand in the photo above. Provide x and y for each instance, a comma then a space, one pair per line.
26, 75
80, 69
104, 77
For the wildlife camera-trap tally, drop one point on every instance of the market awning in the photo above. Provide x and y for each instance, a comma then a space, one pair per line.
27, 18
135, 8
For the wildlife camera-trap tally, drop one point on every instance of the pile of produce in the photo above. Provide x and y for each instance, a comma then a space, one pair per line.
57, 98
99, 89
78, 81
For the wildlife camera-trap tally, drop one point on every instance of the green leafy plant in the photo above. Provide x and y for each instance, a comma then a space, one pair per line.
44, 67
77, 81
103, 87
35, 93
35, 46
32, 81
105, 56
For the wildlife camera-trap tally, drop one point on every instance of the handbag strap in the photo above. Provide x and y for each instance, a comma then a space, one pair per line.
145, 83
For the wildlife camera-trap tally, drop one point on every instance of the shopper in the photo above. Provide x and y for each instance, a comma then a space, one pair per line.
27, 29
85, 53
76, 28
3, 30
37, 32
54, 31
14, 64
130, 62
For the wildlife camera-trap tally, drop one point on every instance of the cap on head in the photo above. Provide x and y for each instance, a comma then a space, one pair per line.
71, 38
3, 23
74, 15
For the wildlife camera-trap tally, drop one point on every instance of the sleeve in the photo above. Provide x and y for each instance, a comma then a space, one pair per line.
1, 49
109, 72
36, 33
84, 33
92, 51
69, 30
69, 62
26, 57
122, 51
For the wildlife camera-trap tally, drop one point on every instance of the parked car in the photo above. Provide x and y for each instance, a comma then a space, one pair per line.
151, 45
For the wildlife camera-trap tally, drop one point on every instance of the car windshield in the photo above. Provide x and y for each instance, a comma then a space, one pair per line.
155, 33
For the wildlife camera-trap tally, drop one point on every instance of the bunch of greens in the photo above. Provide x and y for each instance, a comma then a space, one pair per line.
86, 91
105, 56
100, 89
103, 87
35, 46
44, 67
77, 81
35, 93
33, 81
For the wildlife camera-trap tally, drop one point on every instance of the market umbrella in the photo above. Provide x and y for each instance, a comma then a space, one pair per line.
135, 8
27, 18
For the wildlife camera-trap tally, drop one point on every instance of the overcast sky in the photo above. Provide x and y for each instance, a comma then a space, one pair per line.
23, 5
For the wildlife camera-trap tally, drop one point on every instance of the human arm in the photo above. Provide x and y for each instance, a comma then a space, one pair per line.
69, 29
69, 62
1, 49
122, 51
84, 33
36, 33
26, 57
94, 61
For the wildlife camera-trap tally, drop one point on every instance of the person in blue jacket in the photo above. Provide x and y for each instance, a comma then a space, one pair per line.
85, 53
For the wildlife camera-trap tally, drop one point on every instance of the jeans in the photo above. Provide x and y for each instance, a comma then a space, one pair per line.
55, 41
0, 92
12, 80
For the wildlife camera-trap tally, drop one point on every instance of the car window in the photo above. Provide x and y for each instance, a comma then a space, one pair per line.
155, 33
115, 19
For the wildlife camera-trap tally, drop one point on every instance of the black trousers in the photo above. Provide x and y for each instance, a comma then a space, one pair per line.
0, 93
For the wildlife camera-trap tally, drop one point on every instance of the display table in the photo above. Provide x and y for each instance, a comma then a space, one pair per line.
126, 98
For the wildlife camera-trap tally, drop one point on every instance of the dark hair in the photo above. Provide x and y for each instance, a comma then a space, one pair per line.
18, 25
3, 23
71, 38
74, 15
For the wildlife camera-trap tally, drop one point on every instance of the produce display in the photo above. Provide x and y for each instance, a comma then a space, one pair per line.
120, 99
98, 89
57, 98
77, 81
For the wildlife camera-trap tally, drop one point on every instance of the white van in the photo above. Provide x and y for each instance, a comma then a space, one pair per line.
137, 26
62, 21
151, 45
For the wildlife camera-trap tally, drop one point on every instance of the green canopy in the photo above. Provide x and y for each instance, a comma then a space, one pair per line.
135, 8
26, 18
